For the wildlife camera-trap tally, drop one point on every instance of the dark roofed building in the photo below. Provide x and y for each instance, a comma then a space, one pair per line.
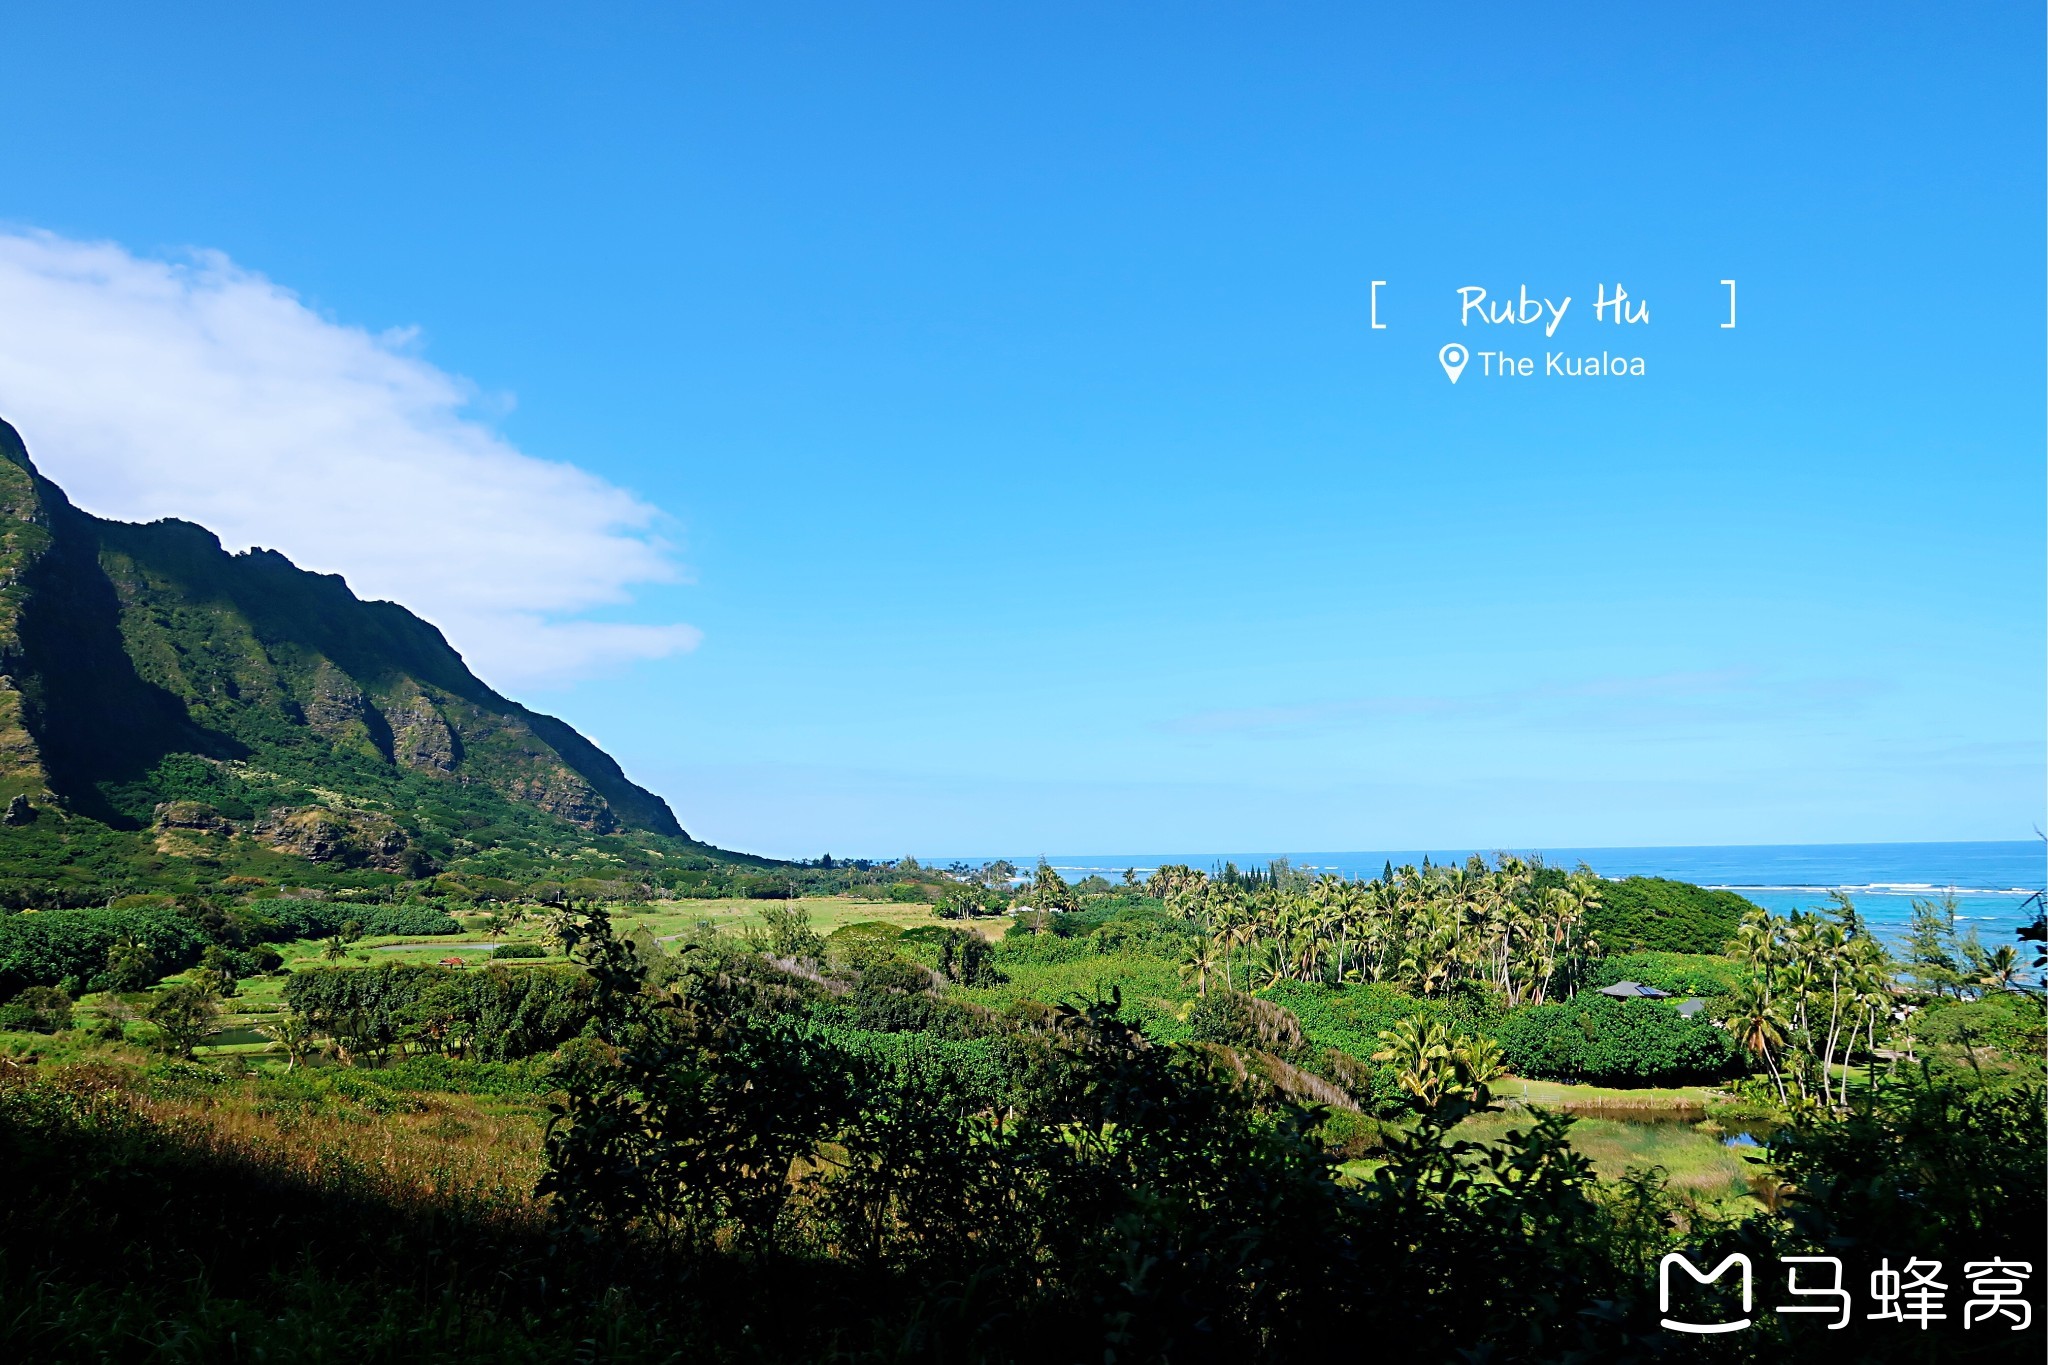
1631, 990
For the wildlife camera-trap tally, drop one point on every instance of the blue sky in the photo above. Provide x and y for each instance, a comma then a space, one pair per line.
996, 386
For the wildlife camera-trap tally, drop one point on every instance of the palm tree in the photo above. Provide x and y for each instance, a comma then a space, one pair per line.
1379, 918
295, 1034
1185, 892
1797, 972
1759, 1025
1274, 961
1332, 898
1420, 1052
1579, 947
1234, 927
1479, 1061
1831, 953
1756, 940
1868, 978
2001, 970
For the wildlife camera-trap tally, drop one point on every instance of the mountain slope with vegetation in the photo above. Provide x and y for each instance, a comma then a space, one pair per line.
173, 716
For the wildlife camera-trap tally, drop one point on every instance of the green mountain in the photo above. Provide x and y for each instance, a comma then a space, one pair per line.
169, 710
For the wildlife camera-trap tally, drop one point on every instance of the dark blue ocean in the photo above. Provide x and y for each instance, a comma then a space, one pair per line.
1990, 881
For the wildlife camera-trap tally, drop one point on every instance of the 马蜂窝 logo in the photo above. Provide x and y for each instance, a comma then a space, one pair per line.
1912, 1295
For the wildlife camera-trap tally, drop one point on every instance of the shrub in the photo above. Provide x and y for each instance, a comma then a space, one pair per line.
520, 950
850, 943
1351, 1018
1239, 1020
1653, 914
1347, 1133
491, 1015
1042, 949
961, 955
893, 994
436, 1074
789, 932
39, 1009
1995, 1040
1342, 1027
976, 1068
1603, 1041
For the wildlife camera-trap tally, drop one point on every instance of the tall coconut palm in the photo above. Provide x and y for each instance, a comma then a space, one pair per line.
1379, 919
1759, 1027
1870, 981
1756, 939
2000, 970
1242, 934
1331, 898
1199, 963
1831, 961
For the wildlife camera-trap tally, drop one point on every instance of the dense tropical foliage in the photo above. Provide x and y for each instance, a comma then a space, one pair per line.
787, 1145
1222, 1115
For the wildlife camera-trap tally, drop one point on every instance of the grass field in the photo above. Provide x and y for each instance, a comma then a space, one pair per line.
260, 998
1577, 1099
1618, 1129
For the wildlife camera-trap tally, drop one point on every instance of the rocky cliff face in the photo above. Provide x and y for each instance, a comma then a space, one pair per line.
122, 646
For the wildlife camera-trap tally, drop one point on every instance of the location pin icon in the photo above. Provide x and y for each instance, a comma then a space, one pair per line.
1453, 357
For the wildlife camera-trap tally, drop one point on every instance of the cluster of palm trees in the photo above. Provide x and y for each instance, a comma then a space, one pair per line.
1819, 986
1515, 927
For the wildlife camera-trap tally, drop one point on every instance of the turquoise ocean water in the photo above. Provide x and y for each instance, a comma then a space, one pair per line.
1991, 882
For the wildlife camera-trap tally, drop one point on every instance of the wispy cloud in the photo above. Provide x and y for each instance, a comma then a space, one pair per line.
1663, 698
197, 389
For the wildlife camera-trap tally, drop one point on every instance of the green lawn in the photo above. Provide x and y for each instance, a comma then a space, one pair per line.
827, 913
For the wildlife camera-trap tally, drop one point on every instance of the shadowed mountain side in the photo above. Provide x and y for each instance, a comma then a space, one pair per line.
123, 644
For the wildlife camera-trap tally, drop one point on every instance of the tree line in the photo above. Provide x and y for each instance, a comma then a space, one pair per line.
1822, 991
1515, 929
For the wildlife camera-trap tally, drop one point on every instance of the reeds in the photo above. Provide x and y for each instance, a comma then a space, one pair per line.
451, 1154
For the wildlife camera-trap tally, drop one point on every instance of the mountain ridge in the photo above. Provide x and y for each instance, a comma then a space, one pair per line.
131, 652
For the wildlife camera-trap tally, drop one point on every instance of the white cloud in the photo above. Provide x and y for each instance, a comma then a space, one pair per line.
200, 390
